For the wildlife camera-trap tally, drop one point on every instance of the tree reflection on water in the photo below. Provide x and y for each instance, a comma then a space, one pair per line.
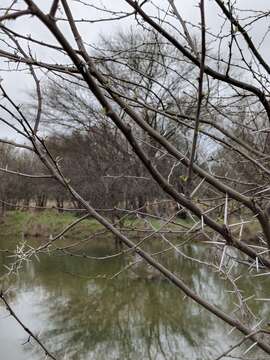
87, 315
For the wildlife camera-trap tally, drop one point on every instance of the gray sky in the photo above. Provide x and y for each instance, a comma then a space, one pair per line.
19, 83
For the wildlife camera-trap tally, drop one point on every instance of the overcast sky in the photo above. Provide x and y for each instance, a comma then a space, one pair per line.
19, 83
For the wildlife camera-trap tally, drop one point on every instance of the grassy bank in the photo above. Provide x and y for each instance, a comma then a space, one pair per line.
50, 223
45, 223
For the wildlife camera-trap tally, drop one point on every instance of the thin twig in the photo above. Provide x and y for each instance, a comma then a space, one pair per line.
29, 332
200, 96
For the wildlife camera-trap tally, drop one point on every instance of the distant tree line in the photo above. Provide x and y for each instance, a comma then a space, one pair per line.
107, 174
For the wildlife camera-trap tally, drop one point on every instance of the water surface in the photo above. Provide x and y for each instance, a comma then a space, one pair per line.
82, 309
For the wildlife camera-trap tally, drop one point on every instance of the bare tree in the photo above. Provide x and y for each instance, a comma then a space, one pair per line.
219, 97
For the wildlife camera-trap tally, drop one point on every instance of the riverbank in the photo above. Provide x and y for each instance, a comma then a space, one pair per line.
49, 223
44, 224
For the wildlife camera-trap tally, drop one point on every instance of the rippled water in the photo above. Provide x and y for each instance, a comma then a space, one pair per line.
82, 310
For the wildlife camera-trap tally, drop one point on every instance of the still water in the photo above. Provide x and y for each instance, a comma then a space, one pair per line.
81, 308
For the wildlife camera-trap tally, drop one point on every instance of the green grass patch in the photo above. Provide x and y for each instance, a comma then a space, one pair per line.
45, 224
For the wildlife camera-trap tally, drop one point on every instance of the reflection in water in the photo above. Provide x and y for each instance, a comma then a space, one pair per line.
84, 314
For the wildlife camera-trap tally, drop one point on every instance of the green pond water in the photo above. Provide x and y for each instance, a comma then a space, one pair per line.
81, 310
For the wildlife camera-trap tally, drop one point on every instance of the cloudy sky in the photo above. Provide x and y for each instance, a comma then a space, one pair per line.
19, 83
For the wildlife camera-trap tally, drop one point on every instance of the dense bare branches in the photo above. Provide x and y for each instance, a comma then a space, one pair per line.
133, 125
